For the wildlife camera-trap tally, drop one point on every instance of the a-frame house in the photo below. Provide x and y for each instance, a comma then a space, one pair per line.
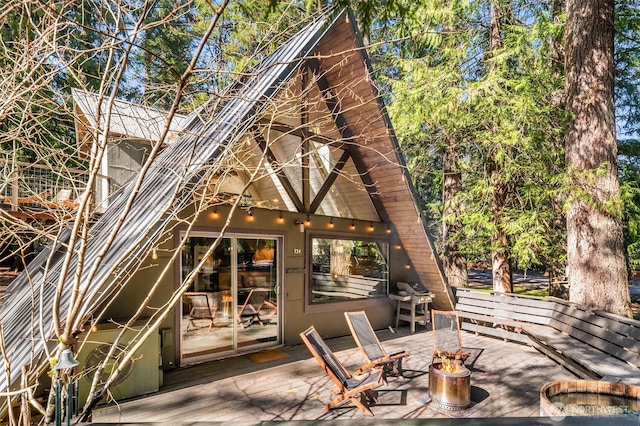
327, 219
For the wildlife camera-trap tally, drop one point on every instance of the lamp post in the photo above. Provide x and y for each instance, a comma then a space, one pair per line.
66, 361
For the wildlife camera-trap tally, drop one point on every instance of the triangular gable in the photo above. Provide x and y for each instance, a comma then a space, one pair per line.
306, 149
348, 111
155, 205
343, 72
360, 122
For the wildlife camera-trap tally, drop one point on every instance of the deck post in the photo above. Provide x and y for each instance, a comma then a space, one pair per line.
15, 186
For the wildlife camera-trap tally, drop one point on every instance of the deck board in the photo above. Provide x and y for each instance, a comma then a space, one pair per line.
506, 380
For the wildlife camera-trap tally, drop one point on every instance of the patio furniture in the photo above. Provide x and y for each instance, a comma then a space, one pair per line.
447, 341
374, 353
591, 343
349, 386
412, 304
200, 308
250, 309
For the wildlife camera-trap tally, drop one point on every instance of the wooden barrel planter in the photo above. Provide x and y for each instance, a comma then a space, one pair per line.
588, 398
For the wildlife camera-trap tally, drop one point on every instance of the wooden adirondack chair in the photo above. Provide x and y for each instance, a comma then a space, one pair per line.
374, 353
349, 386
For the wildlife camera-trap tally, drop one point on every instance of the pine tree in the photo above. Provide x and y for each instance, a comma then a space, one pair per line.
482, 113
595, 250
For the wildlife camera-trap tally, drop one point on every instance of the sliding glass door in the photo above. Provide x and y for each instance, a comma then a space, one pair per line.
232, 304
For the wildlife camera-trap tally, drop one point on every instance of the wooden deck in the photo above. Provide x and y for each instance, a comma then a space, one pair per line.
506, 380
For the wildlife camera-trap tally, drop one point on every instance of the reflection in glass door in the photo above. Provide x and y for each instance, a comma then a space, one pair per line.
257, 300
233, 302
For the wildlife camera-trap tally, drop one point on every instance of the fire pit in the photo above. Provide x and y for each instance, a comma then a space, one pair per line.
450, 384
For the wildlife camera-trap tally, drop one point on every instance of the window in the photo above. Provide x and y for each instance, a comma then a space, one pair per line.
348, 269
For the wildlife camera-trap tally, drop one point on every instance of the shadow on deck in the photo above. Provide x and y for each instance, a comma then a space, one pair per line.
506, 381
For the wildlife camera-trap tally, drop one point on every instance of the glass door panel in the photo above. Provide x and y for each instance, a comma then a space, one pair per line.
207, 320
257, 291
233, 301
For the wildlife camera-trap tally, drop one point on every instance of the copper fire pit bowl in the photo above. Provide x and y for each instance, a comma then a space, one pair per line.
450, 390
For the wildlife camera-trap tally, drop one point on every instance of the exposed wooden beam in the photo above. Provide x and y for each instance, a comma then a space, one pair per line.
306, 151
329, 181
291, 192
301, 133
32, 216
333, 104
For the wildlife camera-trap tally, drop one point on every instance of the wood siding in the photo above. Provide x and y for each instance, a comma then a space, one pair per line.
345, 66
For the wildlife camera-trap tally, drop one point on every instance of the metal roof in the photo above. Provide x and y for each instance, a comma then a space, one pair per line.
126, 119
166, 189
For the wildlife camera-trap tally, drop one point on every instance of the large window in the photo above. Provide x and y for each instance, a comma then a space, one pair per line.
347, 269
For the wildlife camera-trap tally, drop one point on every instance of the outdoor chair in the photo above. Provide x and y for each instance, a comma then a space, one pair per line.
63, 200
349, 386
447, 340
200, 309
374, 353
252, 305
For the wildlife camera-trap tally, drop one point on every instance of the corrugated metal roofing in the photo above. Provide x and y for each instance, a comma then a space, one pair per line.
163, 193
127, 119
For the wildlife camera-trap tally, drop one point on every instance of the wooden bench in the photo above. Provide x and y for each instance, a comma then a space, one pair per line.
501, 315
593, 344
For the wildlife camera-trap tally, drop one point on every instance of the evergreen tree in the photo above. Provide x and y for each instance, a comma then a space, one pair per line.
627, 75
165, 51
484, 110
595, 246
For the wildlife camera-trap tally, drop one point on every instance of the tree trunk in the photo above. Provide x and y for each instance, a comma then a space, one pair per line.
556, 263
501, 254
340, 259
454, 263
557, 281
595, 250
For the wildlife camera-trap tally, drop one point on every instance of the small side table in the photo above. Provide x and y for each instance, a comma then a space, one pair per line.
406, 308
